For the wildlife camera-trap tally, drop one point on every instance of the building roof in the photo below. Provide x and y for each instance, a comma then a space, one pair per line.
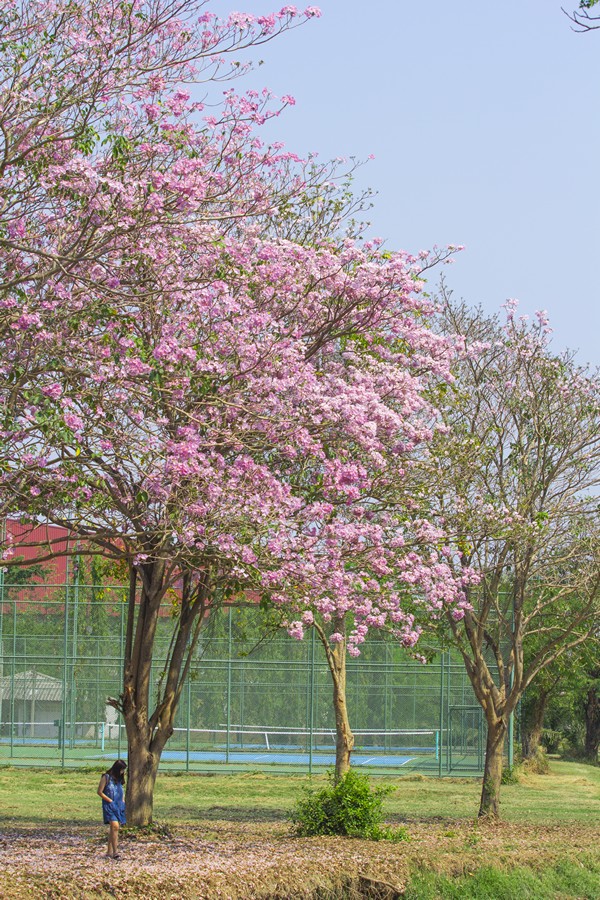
30, 684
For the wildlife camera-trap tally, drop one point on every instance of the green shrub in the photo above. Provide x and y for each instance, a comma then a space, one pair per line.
349, 807
510, 775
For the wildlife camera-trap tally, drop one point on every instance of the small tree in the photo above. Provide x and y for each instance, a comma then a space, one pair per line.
514, 485
557, 692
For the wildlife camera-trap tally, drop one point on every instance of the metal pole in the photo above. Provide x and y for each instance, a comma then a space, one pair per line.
229, 651
12, 678
2, 542
74, 650
121, 654
311, 713
386, 718
441, 713
448, 725
189, 703
63, 733
32, 702
242, 690
97, 704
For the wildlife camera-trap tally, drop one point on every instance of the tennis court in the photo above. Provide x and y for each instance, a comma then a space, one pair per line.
246, 705
284, 758
229, 748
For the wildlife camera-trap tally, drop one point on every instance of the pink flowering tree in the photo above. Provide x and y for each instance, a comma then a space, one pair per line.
385, 566
202, 374
220, 439
514, 487
94, 111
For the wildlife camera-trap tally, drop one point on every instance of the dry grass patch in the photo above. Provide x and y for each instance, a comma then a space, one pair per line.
254, 861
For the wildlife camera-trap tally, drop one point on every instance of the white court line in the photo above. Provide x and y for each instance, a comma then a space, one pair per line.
380, 759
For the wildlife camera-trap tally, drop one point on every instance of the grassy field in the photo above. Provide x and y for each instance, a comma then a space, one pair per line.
229, 837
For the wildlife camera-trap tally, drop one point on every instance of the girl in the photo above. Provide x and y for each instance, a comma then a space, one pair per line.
110, 790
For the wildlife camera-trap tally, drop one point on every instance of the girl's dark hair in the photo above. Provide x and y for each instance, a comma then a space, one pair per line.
117, 771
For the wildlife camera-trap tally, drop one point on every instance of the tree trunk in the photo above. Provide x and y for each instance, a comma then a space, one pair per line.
533, 726
147, 733
492, 775
141, 777
592, 724
344, 739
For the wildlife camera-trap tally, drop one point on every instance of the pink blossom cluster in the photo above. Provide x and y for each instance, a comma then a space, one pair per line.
188, 376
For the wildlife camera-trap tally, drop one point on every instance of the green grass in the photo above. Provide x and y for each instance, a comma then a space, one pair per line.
548, 845
570, 794
563, 880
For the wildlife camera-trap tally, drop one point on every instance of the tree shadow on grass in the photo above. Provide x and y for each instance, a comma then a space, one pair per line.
44, 824
224, 814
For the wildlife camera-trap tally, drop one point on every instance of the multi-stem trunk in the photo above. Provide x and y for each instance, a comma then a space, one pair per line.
489, 806
148, 731
336, 659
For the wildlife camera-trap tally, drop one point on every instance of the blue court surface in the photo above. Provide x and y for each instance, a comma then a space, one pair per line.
295, 759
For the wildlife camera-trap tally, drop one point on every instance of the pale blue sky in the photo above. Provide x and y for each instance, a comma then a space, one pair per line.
484, 122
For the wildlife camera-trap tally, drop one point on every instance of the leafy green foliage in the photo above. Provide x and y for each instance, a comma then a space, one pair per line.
510, 775
348, 807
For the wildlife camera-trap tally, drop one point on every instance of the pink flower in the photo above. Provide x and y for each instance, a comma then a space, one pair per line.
53, 391
296, 630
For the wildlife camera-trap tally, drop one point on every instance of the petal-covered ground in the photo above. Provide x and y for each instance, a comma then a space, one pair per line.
247, 861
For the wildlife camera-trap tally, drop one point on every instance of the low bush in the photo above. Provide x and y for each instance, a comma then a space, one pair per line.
510, 775
538, 763
350, 807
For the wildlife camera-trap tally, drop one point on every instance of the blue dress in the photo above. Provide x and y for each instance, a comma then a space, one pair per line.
114, 811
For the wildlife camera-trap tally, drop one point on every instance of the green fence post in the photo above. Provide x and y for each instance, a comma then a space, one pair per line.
73, 704
441, 713
121, 654
187, 736
386, 691
62, 734
311, 714
511, 724
448, 720
229, 651
242, 693
12, 679
2, 542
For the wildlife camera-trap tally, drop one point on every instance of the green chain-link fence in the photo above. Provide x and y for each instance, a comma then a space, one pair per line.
251, 701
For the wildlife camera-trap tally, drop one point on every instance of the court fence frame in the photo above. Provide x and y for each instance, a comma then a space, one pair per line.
250, 703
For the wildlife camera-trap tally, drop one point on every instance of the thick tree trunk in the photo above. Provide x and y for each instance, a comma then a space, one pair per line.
344, 739
148, 732
492, 775
533, 727
141, 778
592, 724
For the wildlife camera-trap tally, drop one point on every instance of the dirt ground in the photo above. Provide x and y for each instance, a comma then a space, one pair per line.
248, 861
